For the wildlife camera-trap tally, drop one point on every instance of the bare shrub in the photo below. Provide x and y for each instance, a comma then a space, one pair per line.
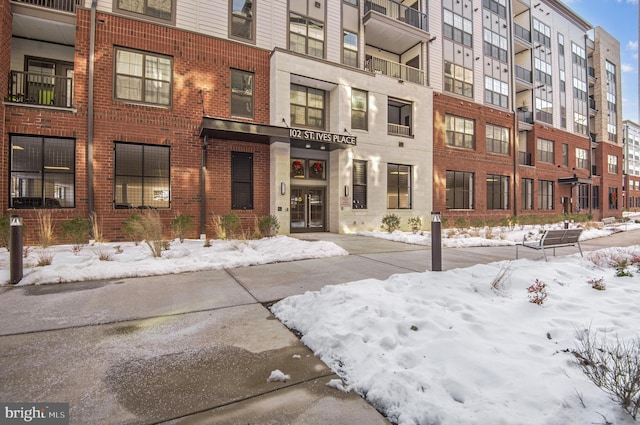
45, 257
45, 228
104, 254
147, 227
96, 228
499, 282
614, 366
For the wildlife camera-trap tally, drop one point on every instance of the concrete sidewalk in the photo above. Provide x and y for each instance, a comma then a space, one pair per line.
197, 348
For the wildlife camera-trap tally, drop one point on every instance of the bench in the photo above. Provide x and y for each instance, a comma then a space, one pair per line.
553, 239
607, 221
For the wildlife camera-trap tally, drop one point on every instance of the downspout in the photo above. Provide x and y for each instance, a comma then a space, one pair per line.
203, 191
516, 134
590, 196
90, 129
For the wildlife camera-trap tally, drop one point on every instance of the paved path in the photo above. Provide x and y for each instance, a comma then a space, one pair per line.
197, 348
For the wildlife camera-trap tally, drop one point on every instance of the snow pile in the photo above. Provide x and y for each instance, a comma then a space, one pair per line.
278, 376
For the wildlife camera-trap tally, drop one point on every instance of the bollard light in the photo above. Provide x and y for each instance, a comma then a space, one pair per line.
436, 242
15, 249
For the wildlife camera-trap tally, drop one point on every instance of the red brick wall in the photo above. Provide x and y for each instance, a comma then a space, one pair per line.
609, 180
6, 25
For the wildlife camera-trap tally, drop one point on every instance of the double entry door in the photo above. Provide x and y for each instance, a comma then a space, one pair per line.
307, 209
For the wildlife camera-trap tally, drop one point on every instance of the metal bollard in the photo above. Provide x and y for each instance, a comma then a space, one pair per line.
566, 223
15, 249
436, 242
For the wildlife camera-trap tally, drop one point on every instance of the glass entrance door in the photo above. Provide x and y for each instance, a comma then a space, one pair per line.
307, 209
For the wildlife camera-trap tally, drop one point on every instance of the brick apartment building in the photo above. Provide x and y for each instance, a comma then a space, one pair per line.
327, 114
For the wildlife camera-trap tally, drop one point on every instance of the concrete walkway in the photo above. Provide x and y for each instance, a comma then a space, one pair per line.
197, 348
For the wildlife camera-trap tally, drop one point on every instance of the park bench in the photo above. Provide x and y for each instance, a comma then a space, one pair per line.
553, 239
607, 221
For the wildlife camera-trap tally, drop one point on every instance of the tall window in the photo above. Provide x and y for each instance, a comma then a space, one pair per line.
565, 154
613, 198
241, 181
496, 92
581, 158
398, 186
459, 190
458, 28
458, 79
242, 19
545, 150
159, 9
595, 197
497, 139
541, 33
241, 94
42, 172
612, 114
612, 162
359, 109
399, 117
583, 196
143, 77
359, 183
545, 195
497, 192
307, 107
306, 36
141, 176
460, 132
527, 194
495, 45
350, 48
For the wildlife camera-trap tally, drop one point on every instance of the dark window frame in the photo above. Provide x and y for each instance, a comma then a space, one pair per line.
460, 197
143, 78
242, 173
358, 111
242, 87
241, 16
396, 191
498, 189
118, 8
359, 184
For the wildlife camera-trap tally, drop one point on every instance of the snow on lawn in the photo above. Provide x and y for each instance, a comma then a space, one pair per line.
127, 259
449, 348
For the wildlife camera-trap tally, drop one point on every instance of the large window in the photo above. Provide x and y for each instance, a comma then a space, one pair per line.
581, 158
460, 132
527, 194
613, 198
42, 172
459, 190
307, 107
350, 48
458, 79
497, 139
143, 77
241, 25
612, 164
241, 181
497, 192
496, 92
159, 9
545, 195
458, 28
141, 176
241, 94
398, 186
495, 45
583, 197
306, 36
359, 183
359, 109
545, 150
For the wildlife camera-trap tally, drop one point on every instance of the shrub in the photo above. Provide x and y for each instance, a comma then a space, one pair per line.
230, 224
598, 284
147, 227
77, 230
133, 229
96, 228
537, 292
181, 226
621, 265
461, 223
390, 222
415, 223
45, 228
4, 231
45, 257
612, 366
268, 225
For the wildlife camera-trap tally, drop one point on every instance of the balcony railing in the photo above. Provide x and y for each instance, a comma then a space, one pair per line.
399, 130
398, 11
524, 158
522, 33
40, 89
394, 70
524, 74
592, 72
525, 116
61, 5
544, 116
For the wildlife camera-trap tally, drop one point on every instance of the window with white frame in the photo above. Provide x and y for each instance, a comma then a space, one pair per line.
143, 77
359, 109
581, 158
307, 106
612, 162
545, 150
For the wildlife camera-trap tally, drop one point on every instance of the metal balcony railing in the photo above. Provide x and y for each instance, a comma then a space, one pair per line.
40, 89
544, 116
394, 70
398, 11
592, 72
399, 130
524, 74
525, 116
61, 5
522, 33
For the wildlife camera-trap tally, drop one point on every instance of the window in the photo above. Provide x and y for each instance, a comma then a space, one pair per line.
42, 172
496, 92
306, 36
359, 109
496, 6
460, 132
141, 176
241, 94
458, 79
497, 139
545, 195
350, 48
527, 194
595, 197
359, 198
398, 186
541, 33
242, 19
143, 77
565, 154
612, 162
241, 181
545, 150
159, 9
613, 198
459, 190
457, 28
495, 45
583, 197
307, 107
581, 158
497, 192
399, 115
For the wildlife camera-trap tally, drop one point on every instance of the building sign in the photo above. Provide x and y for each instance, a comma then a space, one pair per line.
321, 136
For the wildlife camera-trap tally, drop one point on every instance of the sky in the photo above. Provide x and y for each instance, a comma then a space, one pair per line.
620, 19
463, 346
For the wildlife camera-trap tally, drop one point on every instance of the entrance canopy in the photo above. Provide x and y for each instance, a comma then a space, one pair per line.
575, 180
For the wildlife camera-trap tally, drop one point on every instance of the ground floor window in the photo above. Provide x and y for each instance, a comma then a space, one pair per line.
459, 190
583, 197
545, 195
359, 184
42, 172
595, 197
613, 198
141, 176
497, 192
241, 181
398, 186
527, 194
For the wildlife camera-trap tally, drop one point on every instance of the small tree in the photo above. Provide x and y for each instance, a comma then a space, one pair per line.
268, 225
390, 222
181, 225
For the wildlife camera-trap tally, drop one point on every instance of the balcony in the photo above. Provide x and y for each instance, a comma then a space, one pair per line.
398, 130
525, 116
394, 27
40, 89
524, 158
591, 71
394, 70
59, 5
522, 38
